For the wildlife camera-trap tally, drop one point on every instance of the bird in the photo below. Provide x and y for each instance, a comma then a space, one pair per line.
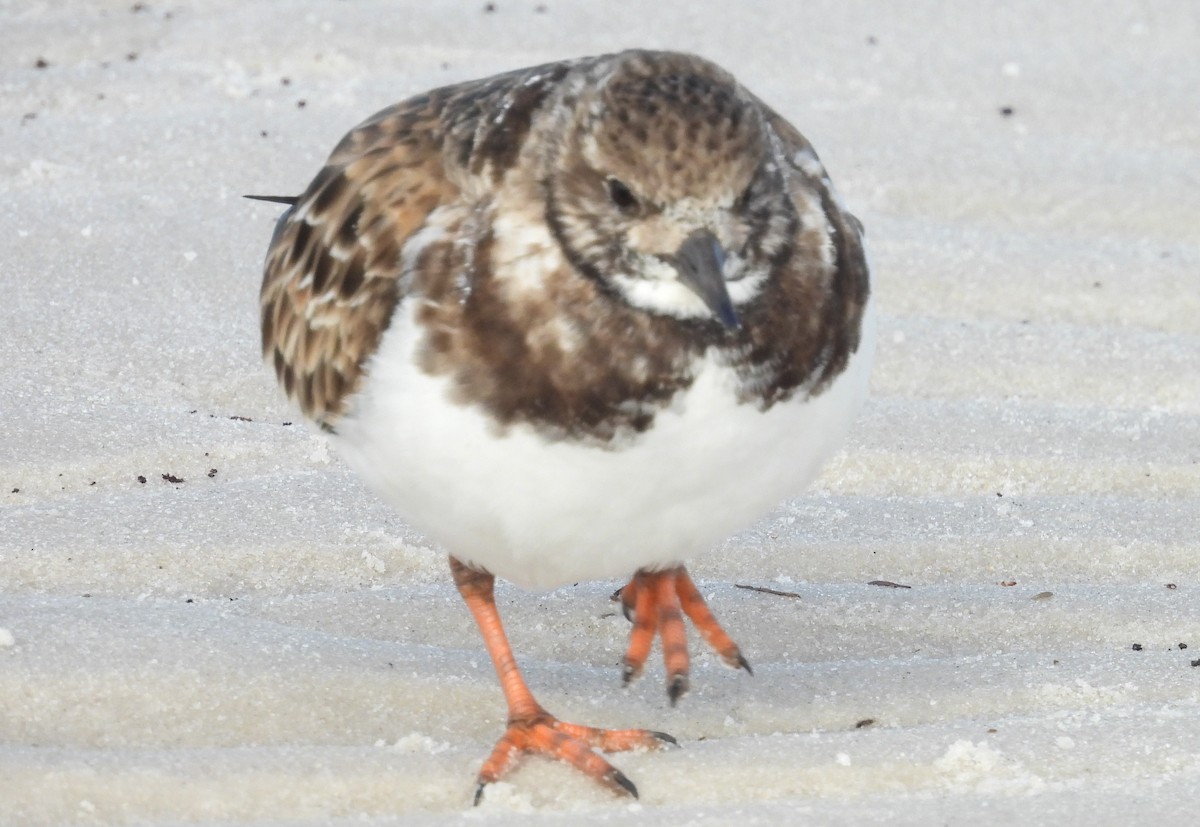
577, 321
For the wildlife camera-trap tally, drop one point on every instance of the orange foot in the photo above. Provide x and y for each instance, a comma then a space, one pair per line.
656, 602
543, 734
530, 728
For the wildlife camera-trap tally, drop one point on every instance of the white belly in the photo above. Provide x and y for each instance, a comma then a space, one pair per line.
542, 514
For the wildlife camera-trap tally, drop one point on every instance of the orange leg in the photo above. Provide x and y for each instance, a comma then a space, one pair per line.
656, 602
532, 729
706, 624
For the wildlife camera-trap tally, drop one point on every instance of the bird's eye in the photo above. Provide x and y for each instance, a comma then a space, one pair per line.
621, 196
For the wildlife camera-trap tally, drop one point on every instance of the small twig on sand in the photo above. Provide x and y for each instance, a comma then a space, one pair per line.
889, 584
765, 590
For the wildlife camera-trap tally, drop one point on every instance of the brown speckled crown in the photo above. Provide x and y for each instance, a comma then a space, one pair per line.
570, 358
658, 113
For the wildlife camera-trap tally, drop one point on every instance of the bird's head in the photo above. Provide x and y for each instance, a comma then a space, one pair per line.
665, 188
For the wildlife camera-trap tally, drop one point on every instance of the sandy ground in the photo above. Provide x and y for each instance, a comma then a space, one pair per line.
205, 618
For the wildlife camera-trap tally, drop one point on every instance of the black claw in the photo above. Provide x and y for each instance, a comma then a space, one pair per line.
479, 793
618, 777
629, 674
664, 737
626, 609
744, 664
677, 688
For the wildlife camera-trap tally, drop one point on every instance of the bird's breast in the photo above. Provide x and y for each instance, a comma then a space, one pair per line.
542, 511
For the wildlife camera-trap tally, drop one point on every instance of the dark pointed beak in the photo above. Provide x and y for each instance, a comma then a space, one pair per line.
700, 261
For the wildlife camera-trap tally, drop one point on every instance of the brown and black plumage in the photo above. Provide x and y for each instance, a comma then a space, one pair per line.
577, 320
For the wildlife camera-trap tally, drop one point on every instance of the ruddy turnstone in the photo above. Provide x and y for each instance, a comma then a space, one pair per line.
577, 321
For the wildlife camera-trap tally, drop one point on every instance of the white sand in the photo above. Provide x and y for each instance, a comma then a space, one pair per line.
270, 644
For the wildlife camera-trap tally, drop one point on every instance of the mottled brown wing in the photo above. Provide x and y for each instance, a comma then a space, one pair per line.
331, 279
795, 146
840, 323
332, 275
